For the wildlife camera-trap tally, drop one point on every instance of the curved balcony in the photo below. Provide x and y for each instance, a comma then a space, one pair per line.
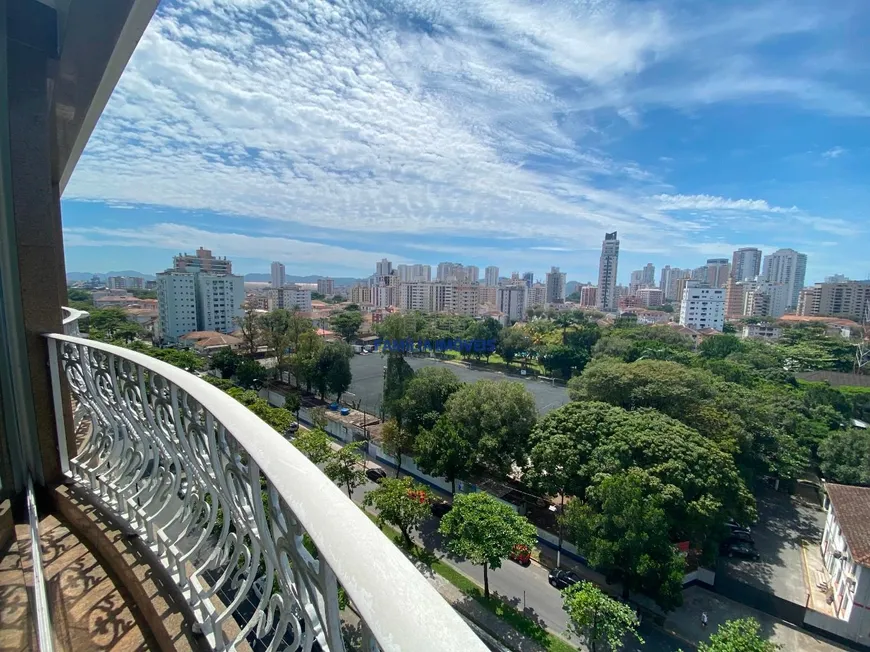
225, 503
71, 318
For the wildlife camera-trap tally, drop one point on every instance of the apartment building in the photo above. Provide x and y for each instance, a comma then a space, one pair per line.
361, 295
588, 296
556, 282
529, 279
762, 331
608, 266
718, 272
487, 295
512, 301
202, 261
490, 276
848, 300
702, 307
761, 299
383, 268
788, 267
176, 304
288, 298
326, 286
745, 263
279, 277
219, 299
650, 297
536, 295
471, 274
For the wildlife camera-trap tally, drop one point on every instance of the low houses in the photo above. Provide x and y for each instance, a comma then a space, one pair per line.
761, 331
206, 341
846, 553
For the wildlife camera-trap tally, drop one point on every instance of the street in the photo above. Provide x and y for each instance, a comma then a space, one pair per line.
525, 588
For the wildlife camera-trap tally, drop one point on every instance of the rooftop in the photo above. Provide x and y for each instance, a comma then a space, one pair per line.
851, 506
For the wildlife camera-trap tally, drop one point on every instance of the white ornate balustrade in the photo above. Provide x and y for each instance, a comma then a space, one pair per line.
71, 318
223, 501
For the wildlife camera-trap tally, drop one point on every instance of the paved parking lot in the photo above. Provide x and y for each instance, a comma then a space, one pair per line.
782, 523
368, 381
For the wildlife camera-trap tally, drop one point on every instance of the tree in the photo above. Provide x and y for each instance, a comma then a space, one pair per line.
108, 321
496, 418
624, 533
741, 635
397, 376
249, 325
442, 451
315, 445
347, 324
187, 360
727, 327
720, 346
401, 502
845, 456
318, 417
226, 361
276, 329
250, 374
563, 359
512, 342
601, 622
77, 294
278, 418
292, 403
343, 467
485, 531
425, 397
332, 369
305, 358
397, 442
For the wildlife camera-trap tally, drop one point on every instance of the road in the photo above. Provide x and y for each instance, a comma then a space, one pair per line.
526, 588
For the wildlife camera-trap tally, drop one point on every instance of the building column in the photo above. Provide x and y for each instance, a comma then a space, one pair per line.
32, 270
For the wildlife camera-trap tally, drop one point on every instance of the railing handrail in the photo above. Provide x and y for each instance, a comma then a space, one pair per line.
44, 631
71, 314
399, 606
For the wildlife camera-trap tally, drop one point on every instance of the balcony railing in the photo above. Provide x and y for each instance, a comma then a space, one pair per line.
71, 318
224, 501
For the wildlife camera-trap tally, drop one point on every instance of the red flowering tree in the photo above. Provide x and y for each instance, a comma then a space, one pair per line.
400, 502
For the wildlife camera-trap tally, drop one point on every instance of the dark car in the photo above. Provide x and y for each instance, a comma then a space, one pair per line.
740, 549
440, 508
563, 578
734, 526
375, 474
521, 554
740, 536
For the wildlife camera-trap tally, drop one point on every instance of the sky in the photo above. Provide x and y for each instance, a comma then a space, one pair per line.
328, 135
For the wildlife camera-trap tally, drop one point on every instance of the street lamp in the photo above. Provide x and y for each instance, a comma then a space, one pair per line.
558, 512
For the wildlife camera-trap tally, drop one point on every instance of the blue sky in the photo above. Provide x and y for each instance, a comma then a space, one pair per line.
330, 134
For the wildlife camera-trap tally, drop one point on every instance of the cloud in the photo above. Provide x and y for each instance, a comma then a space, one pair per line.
713, 203
834, 152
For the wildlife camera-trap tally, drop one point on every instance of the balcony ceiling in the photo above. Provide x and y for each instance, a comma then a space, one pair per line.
96, 39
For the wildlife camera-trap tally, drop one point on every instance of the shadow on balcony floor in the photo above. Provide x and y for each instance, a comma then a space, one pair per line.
89, 609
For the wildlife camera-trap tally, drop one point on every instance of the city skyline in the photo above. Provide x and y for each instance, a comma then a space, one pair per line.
490, 133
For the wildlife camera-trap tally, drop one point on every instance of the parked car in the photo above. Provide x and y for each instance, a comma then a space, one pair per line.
563, 578
740, 549
738, 536
440, 508
375, 473
521, 554
735, 526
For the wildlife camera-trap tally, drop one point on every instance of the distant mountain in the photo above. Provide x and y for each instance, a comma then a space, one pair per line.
86, 276
265, 278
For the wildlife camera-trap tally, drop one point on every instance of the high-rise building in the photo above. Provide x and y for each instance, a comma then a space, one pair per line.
847, 300
536, 296
289, 297
762, 299
361, 295
512, 301
607, 269
718, 271
115, 283
383, 268
326, 286
588, 294
555, 286
745, 263
421, 273
449, 272
529, 278
176, 304
788, 267
487, 295
203, 261
668, 281
702, 307
635, 281
471, 274
490, 277
219, 299
404, 272
650, 297
648, 275
836, 278
279, 278
734, 298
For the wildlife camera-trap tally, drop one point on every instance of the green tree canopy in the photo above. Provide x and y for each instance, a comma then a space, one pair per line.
398, 442
598, 620
397, 377
484, 531
443, 451
344, 467
250, 374
425, 397
315, 445
563, 359
495, 417
845, 456
720, 346
512, 343
332, 369
400, 502
742, 635
225, 360
624, 533
347, 324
